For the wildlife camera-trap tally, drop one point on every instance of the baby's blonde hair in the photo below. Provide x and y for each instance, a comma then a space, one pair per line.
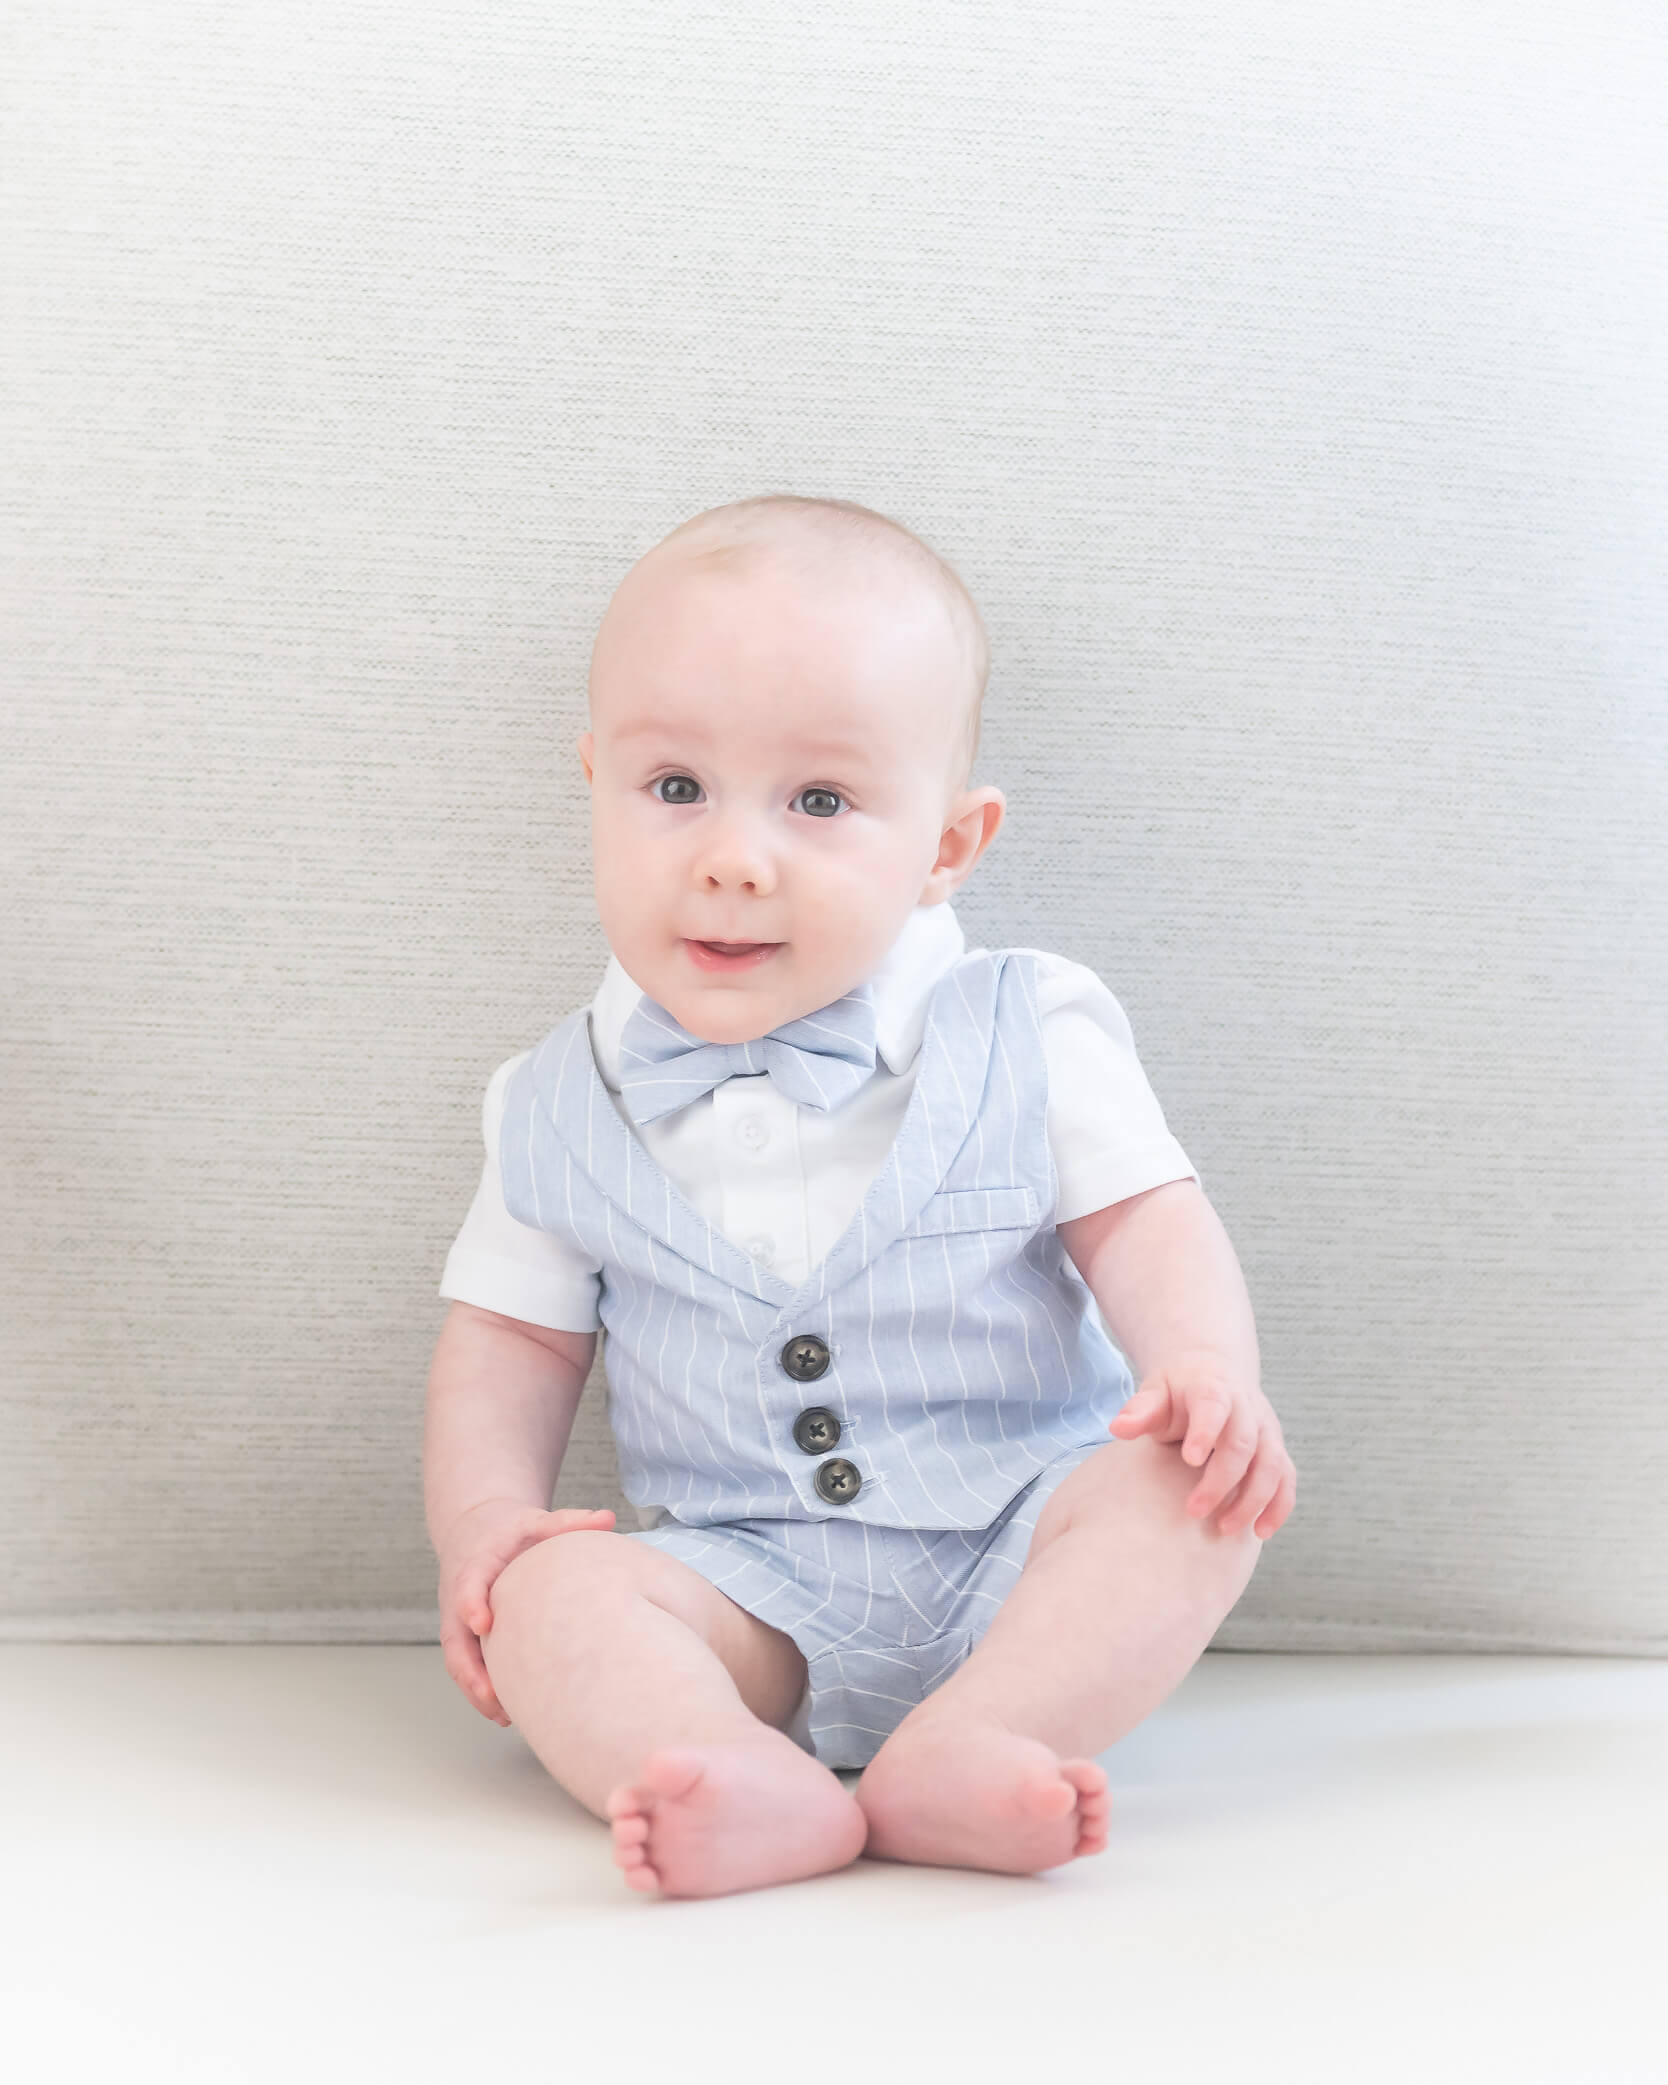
809, 532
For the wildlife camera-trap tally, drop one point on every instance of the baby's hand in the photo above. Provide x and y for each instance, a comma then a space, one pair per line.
480, 1544
1197, 1400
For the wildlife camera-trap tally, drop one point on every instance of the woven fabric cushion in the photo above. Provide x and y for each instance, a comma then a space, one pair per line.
1286, 383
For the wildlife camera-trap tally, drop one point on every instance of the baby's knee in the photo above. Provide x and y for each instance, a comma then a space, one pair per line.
564, 1578
1166, 1483
1135, 1493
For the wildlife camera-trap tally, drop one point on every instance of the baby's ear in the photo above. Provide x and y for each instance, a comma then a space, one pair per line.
587, 750
974, 819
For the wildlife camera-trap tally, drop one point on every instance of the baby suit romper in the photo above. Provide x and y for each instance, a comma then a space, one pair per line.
858, 1460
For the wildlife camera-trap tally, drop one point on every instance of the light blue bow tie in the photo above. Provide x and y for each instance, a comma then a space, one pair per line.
819, 1060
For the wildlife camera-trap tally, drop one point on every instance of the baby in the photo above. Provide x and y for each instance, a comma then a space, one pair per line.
862, 1211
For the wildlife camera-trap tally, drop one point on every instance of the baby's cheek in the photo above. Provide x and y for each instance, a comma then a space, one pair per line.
846, 938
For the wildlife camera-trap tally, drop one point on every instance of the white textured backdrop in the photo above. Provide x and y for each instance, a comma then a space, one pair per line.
1288, 383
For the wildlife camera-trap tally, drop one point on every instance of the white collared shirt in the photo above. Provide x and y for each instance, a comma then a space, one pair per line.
783, 1181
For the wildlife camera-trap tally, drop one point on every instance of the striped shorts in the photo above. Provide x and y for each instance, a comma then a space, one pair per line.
882, 1615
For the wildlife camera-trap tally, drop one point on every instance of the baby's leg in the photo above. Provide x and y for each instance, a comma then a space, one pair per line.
1122, 1590
658, 1702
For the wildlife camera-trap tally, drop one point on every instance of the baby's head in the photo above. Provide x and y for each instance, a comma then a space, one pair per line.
784, 702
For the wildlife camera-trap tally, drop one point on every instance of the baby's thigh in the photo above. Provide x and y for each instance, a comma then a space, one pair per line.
1133, 1495
1134, 1483
600, 1584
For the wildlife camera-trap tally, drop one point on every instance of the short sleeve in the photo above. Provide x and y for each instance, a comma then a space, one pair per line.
1105, 1127
499, 1264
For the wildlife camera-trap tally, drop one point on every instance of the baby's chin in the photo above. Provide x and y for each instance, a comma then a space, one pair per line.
739, 1000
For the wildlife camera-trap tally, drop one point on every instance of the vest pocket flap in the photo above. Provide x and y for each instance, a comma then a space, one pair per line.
976, 1209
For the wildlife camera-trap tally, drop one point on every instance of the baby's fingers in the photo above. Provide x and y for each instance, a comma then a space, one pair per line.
1285, 1497
470, 1596
467, 1667
1228, 1463
564, 1520
1262, 1481
1206, 1411
1148, 1411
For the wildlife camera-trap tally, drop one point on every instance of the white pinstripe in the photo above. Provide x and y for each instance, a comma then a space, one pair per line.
955, 1355
903, 1594
881, 1375
925, 1556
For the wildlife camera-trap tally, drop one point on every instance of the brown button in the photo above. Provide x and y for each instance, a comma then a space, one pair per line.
805, 1357
839, 1481
816, 1430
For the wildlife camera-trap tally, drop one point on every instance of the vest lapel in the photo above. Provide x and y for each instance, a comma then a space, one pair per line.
591, 1127
956, 1047
955, 1060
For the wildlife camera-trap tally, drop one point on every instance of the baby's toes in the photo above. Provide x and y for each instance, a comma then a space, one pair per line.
1094, 1803
631, 1853
629, 1828
1088, 1777
630, 1835
1093, 1829
1044, 1794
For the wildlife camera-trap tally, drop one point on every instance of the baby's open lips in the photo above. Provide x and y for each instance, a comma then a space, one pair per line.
729, 955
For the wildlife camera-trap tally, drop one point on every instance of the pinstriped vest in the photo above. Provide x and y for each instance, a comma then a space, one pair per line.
965, 1351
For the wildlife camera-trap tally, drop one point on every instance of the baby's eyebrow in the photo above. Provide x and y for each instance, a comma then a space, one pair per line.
843, 753
655, 727
846, 753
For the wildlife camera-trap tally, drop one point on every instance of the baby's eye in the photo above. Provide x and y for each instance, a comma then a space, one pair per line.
820, 803
676, 789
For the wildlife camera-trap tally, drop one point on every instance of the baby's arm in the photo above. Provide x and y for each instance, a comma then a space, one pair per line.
501, 1402
1168, 1283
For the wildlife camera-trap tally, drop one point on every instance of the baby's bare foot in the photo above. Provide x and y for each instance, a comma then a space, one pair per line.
703, 1820
955, 1791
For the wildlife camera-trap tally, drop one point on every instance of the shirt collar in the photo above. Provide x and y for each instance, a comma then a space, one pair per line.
902, 983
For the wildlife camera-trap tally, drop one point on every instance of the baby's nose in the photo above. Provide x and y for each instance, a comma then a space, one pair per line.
735, 859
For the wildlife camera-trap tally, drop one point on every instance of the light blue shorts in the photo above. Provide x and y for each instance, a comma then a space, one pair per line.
882, 1615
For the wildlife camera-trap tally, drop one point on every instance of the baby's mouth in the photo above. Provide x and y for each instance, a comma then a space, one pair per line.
730, 955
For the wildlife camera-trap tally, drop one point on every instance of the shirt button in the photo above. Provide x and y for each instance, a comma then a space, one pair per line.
839, 1481
762, 1249
805, 1357
816, 1429
752, 1132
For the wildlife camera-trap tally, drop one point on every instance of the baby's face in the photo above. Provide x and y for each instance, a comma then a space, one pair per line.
773, 769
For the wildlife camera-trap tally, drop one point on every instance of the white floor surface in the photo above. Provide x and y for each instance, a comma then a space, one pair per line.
318, 1864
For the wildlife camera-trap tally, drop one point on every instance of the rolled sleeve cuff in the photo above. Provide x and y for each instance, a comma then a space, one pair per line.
515, 1291
1096, 1179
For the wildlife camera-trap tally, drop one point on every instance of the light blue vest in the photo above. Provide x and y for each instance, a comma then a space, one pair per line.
963, 1350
